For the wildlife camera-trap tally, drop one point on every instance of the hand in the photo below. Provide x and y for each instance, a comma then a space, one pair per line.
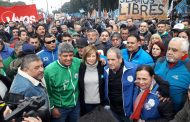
103, 61
7, 111
32, 119
55, 113
163, 99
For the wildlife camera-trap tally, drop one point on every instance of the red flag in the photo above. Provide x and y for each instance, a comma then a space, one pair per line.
19, 13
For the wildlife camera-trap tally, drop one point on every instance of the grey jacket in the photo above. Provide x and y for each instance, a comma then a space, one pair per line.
184, 114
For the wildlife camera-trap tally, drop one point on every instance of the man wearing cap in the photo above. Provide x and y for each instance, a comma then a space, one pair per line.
177, 28
81, 43
49, 53
20, 53
61, 78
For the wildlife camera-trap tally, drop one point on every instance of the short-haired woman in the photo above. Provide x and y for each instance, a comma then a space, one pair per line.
91, 80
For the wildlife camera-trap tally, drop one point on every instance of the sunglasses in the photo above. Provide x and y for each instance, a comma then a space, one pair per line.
53, 41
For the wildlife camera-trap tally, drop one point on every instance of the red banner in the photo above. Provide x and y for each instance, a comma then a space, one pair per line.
19, 13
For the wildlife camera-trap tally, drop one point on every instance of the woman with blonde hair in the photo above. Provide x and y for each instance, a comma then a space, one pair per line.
154, 38
91, 80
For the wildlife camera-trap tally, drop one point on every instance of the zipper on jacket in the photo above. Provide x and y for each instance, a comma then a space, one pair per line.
130, 57
123, 93
73, 86
52, 55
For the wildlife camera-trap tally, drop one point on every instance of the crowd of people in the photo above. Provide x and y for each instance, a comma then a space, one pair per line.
137, 72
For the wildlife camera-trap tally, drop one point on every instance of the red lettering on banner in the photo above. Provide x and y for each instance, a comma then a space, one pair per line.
19, 13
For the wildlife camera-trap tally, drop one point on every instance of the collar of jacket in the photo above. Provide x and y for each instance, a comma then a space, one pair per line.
66, 67
127, 66
31, 79
45, 49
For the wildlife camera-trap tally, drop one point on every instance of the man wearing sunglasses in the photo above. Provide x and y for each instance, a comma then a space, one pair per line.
49, 53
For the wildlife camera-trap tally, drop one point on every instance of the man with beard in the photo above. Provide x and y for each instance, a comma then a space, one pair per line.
49, 53
41, 31
175, 69
92, 36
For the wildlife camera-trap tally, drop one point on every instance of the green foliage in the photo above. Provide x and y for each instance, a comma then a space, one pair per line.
2, 3
88, 5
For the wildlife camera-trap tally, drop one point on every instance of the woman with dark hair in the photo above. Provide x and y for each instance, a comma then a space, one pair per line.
184, 34
91, 80
157, 50
147, 105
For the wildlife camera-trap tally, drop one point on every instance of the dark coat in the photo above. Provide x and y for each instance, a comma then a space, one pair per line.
184, 114
82, 70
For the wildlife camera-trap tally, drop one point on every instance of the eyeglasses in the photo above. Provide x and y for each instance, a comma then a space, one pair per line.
53, 41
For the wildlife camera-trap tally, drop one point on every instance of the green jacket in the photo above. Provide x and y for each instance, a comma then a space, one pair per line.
6, 66
62, 83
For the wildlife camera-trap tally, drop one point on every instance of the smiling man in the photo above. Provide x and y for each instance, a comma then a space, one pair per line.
175, 69
134, 52
62, 83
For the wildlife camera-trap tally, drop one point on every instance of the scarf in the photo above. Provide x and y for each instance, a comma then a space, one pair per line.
139, 103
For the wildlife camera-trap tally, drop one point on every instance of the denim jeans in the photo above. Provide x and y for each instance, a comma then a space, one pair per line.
68, 114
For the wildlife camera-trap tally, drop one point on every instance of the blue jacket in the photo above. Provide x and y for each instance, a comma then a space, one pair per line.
128, 78
47, 56
178, 78
150, 108
25, 87
140, 57
6, 52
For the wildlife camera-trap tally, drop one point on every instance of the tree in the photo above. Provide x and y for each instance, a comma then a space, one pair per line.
3, 3
65, 7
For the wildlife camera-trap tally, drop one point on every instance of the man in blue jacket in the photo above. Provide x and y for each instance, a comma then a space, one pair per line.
119, 84
49, 53
134, 52
175, 69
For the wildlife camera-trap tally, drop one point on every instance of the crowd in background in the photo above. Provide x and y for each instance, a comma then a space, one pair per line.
139, 70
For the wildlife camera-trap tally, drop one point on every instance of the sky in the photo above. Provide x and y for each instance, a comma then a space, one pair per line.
42, 4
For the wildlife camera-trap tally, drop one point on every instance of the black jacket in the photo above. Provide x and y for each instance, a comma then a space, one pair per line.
82, 70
